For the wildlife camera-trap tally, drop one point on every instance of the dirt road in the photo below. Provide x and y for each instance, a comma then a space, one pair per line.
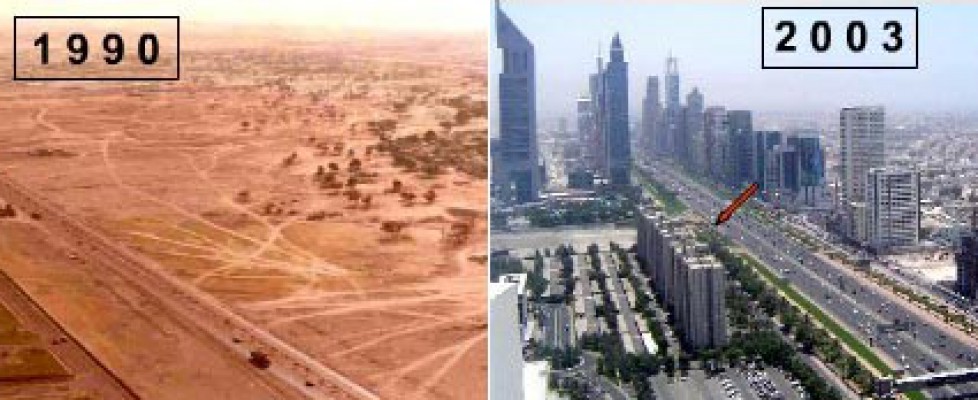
292, 374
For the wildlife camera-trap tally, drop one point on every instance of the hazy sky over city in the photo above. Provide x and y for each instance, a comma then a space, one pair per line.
719, 50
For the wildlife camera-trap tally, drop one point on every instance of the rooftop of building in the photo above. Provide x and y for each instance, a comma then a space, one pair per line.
518, 279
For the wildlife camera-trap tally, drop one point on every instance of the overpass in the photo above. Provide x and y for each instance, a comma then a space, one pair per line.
887, 387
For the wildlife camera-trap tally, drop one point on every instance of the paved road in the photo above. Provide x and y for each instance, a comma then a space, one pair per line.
589, 368
88, 374
857, 304
629, 332
293, 374
585, 291
557, 325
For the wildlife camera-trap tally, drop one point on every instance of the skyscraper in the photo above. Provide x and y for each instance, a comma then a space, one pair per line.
966, 259
764, 143
693, 149
616, 103
892, 207
715, 129
741, 141
651, 117
861, 133
585, 131
597, 154
811, 165
672, 82
672, 119
517, 114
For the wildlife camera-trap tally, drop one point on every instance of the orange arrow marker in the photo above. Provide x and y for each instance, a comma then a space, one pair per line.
728, 212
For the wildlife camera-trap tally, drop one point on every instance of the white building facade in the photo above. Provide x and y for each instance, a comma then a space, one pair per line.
892, 207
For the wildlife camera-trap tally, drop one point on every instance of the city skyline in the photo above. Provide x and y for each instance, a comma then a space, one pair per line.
726, 68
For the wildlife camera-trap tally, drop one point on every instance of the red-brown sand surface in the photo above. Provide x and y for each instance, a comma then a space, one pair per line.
225, 179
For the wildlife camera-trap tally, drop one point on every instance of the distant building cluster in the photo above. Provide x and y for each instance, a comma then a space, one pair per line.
602, 123
879, 204
722, 144
690, 281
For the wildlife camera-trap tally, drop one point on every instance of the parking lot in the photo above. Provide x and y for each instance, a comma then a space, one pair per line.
732, 384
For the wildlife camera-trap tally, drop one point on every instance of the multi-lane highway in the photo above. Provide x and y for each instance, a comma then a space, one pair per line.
859, 305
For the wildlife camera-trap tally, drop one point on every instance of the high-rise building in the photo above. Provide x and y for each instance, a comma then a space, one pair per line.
966, 258
861, 148
741, 140
811, 165
694, 147
892, 207
861, 133
597, 143
616, 103
672, 82
701, 315
673, 117
764, 142
689, 281
586, 129
519, 156
715, 137
651, 117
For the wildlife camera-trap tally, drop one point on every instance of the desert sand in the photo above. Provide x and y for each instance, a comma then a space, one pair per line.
331, 191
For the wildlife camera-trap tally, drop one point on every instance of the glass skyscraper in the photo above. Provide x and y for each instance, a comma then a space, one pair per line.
618, 143
519, 156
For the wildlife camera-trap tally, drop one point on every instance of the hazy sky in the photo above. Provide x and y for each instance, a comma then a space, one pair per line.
438, 15
719, 48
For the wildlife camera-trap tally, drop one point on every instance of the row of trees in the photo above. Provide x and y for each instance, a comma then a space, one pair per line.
754, 308
591, 212
643, 301
615, 363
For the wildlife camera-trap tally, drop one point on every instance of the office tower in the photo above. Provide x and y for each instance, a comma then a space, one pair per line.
811, 165
790, 168
597, 142
694, 144
892, 207
672, 119
861, 133
586, 130
517, 113
672, 82
651, 117
764, 142
505, 347
616, 103
497, 179
741, 138
966, 259
715, 129
772, 174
